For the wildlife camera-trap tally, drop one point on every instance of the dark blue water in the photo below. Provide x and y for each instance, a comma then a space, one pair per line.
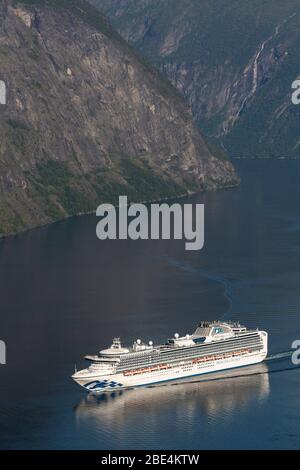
64, 294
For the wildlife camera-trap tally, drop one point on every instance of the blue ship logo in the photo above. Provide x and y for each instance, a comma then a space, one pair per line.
102, 384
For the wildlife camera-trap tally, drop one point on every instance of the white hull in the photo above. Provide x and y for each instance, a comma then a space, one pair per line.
94, 382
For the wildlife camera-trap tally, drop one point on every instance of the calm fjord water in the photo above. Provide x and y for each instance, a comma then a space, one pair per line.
64, 293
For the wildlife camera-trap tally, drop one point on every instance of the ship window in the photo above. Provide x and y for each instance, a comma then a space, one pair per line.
217, 330
199, 340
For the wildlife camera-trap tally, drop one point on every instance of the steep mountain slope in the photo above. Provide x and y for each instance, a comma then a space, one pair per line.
234, 60
86, 120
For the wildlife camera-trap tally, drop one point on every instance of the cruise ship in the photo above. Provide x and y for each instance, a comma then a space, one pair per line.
214, 346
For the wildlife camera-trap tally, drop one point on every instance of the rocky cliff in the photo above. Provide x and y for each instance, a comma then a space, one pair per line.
87, 120
234, 60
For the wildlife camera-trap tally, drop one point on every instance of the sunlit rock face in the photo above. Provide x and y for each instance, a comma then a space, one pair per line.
86, 120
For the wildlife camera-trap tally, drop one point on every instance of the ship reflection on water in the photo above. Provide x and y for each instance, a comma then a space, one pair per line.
220, 395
